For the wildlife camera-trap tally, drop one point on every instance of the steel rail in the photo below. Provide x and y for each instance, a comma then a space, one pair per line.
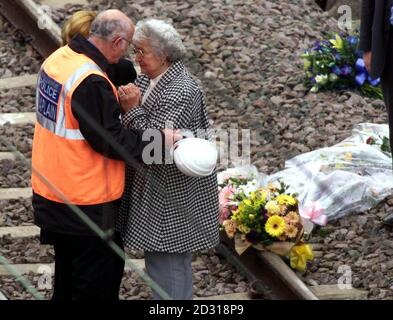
270, 277
25, 15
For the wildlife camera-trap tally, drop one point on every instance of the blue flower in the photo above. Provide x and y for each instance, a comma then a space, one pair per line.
338, 57
336, 70
362, 74
360, 78
353, 41
317, 46
360, 65
326, 43
346, 70
361, 70
373, 82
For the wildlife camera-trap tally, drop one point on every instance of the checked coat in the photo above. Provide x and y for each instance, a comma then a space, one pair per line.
162, 209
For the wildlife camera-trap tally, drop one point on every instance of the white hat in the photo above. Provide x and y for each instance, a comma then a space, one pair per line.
195, 157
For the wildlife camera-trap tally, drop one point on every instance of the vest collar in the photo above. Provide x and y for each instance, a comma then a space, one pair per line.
81, 45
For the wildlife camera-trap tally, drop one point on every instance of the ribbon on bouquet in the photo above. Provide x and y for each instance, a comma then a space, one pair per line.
315, 214
299, 256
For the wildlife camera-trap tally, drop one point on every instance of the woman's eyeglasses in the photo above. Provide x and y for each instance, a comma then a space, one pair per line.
138, 51
134, 50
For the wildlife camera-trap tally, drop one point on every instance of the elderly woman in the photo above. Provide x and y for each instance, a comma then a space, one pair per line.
164, 212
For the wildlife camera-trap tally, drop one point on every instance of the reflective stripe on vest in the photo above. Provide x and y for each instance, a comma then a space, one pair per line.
57, 126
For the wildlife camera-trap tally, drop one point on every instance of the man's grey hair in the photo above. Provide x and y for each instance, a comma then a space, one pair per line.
162, 37
109, 28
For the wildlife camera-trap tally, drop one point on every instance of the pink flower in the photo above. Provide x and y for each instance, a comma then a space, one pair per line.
224, 198
225, 194
224, 215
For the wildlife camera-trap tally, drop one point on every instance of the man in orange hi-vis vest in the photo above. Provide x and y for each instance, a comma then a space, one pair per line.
72, 162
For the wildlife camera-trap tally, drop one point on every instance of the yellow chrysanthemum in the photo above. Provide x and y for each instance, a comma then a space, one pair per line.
292, 217
291, 231
236, 212
259, 200
272, 207
259, 196
263, 193
247, 202
275, 226
286, 199
243, 229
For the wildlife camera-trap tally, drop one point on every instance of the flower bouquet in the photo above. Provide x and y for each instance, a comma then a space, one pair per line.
337, 64
265, 218
234, 184
383, 143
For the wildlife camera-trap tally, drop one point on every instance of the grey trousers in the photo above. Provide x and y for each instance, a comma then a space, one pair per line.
172, 272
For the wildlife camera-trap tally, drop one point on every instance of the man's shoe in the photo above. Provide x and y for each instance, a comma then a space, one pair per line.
388, 220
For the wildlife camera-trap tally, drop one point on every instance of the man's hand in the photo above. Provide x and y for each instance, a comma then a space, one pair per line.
367, 60
129, 96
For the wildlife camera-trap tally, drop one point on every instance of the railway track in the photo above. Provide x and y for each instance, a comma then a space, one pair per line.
268, 275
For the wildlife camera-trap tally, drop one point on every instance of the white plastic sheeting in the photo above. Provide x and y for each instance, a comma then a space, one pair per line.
350, 177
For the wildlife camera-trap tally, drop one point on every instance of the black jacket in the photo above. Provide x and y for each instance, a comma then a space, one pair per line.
374, 32
121, 73
95, 97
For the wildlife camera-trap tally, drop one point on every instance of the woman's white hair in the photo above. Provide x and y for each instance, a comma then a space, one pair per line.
162, 37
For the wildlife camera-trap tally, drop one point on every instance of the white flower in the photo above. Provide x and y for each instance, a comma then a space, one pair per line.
322, 79
251, 186
238, 173
333, 77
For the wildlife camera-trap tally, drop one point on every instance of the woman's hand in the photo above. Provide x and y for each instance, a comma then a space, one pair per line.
171, 136
129, 96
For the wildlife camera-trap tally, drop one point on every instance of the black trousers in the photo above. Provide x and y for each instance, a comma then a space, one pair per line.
86, 268
387, 87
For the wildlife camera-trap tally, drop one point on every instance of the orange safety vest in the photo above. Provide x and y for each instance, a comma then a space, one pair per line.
60, 152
